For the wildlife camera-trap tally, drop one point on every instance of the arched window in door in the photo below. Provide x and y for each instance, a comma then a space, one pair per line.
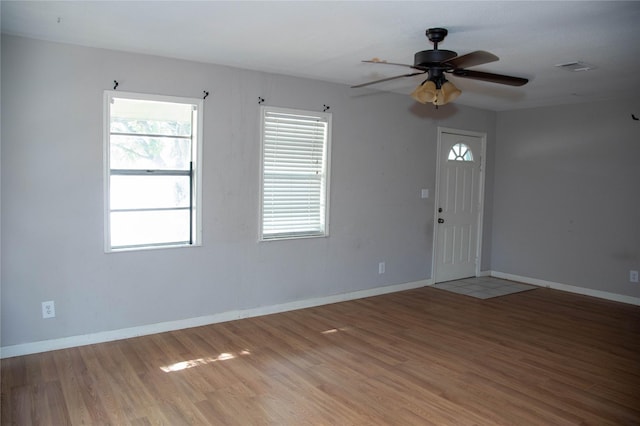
460, 152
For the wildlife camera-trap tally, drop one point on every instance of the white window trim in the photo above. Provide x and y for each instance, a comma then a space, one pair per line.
197, 165
327, 172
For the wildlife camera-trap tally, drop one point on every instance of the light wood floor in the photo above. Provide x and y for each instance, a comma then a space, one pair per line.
424, 356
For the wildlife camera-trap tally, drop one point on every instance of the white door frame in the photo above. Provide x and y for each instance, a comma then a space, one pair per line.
483, 150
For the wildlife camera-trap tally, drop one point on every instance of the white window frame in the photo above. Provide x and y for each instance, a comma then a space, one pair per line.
196, 168
324, 176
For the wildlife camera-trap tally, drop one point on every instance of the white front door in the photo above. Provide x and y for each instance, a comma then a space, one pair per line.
458, 205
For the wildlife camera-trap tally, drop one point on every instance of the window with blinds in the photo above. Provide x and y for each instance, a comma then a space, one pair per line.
295, 173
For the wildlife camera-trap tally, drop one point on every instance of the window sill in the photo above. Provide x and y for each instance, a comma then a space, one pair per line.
152, 248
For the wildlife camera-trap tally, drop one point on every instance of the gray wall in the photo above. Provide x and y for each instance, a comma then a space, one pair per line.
383, 153
567, 195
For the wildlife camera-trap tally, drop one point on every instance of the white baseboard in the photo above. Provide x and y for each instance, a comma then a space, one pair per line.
126, 333
569, 288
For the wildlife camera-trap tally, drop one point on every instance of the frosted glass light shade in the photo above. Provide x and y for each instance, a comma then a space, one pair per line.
447, 93
425, 93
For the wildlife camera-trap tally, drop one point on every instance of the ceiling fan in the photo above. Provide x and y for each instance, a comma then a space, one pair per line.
435, 63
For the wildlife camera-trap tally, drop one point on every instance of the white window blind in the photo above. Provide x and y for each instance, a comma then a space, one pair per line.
295, 147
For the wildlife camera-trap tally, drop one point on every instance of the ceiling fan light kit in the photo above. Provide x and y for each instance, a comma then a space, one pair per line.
436, 89
428, 92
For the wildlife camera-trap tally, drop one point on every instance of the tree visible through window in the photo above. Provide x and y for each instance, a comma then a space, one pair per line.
152, 171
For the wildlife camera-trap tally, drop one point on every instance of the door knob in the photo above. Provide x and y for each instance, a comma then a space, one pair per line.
440, 220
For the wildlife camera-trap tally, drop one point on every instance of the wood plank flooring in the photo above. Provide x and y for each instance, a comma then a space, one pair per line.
423, 357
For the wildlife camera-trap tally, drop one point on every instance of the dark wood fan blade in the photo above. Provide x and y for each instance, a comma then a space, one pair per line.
472, 59
387, 79
490, 77
388, 63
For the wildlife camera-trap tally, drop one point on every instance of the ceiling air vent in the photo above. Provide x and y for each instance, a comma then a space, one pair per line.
576, 66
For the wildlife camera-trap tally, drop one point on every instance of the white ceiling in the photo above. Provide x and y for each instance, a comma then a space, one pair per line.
326, 40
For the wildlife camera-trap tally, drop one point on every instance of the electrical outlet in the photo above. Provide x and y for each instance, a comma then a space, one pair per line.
633, 276
48, 309
381, 268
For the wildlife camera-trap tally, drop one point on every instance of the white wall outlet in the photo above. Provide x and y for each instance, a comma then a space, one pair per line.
381, 268
424, 193
48, 309
633, 276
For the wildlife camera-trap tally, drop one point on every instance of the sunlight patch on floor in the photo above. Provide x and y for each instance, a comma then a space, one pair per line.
183, 365
334, 330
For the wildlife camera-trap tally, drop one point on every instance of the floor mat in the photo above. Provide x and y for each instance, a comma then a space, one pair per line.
484, 287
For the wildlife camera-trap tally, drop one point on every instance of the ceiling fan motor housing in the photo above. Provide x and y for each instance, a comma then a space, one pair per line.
432, 58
